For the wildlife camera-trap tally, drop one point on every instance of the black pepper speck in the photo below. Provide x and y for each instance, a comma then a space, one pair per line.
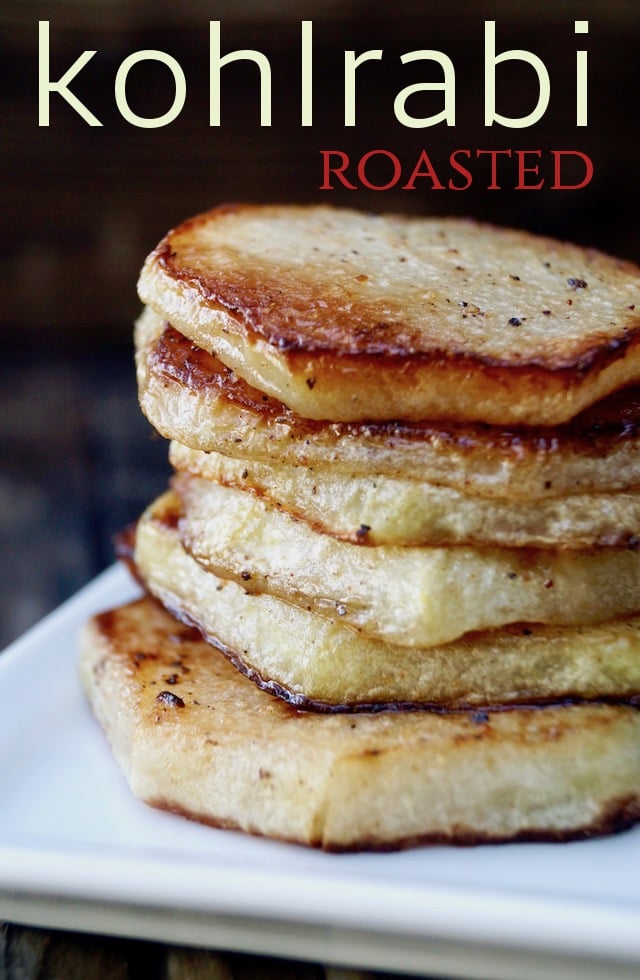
170, 699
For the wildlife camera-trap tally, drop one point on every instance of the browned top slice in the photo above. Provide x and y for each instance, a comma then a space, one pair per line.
349, 316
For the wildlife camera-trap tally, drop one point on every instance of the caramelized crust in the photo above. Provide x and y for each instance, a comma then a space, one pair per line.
612, 418
347, 316
193, 398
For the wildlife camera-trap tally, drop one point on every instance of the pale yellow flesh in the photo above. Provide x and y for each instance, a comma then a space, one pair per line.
231, 755
382, 510
205, 420
472, 312
415, 597
315, 659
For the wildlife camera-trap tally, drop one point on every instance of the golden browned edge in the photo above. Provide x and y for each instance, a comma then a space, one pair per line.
250, 302
374, 350
592, 432
617, 816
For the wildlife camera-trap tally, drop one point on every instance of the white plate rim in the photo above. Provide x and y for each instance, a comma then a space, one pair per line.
362, 921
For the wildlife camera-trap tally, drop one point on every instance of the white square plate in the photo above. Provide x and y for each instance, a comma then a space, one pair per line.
78, 851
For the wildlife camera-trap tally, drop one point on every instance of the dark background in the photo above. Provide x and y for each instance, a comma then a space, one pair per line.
82, 206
